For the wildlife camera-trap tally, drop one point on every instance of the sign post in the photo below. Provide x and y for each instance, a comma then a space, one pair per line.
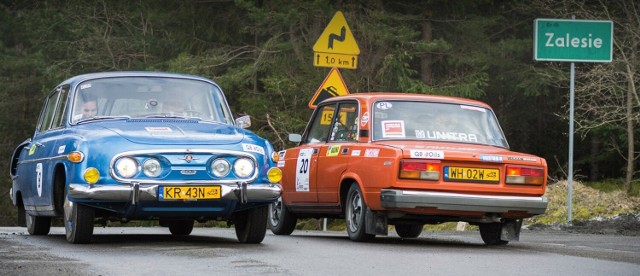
572, 41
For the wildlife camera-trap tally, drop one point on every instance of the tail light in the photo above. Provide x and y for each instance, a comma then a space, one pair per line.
525, 175
420, 169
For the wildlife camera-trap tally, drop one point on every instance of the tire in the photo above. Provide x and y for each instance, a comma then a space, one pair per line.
251, 225
355, 215
22, 216
281, 221
36, 225
78, 222
180, 227
409, 230
490, 233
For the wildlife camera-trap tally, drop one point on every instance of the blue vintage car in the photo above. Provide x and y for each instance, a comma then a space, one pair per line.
123, 146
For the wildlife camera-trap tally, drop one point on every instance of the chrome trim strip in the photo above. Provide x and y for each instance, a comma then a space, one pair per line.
39, 208
59, 157
395, 198
138, 192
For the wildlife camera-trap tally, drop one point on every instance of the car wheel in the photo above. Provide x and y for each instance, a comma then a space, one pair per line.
251, 225
22, 216
281, 222
78, 221
409, 230
490, 233
180, 227
36, 225
355, 215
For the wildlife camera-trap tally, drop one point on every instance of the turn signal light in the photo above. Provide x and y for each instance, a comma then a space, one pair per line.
75, 156
525, 175
420, 169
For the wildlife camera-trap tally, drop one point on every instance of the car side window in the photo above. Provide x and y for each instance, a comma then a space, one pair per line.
320, 125
46, 118
61, 108
345, 126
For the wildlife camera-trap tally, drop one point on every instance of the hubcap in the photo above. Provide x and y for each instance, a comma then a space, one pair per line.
68, 213
28, 218
275, 209
354, 212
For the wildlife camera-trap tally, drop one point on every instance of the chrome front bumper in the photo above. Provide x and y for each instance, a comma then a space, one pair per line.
393, 198
137, 192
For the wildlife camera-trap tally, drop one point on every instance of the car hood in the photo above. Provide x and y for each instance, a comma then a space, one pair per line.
462, 152
165, 132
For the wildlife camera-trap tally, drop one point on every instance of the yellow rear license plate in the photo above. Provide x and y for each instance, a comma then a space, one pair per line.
188, 192
471, 174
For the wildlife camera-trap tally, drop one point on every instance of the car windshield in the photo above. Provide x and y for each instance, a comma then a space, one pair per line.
134, 97
414, 120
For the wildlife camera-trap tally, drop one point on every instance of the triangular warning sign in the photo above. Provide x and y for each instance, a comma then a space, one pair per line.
337, 38
332, 86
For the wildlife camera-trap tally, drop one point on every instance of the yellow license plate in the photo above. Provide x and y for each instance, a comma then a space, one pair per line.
472, 174
188, 192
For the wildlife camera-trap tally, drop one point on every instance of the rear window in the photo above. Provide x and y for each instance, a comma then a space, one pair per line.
411, 120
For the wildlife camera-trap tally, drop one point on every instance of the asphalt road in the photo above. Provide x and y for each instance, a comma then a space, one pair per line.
211, 251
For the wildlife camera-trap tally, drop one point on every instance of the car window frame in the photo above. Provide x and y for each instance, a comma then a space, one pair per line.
49, 110
336, 118
317, 113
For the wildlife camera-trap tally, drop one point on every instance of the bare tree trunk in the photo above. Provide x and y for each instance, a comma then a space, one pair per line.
630, 140
427, 60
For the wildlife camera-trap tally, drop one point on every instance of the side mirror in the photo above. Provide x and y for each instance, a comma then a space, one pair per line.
294, 137
244, 121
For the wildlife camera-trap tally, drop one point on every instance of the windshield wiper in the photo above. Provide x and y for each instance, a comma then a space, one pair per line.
100, 118
173, 117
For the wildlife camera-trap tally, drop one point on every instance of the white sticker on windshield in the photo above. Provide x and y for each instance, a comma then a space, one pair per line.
452, 136
468, 107
384, 105
85, 86
393, 129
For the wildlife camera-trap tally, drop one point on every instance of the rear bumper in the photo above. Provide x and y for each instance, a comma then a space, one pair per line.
137, 192
394, 198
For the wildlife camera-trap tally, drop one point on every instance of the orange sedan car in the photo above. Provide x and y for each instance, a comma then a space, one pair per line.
408, 160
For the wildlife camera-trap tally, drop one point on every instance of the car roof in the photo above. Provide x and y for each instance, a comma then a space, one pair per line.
377, 96
91, 76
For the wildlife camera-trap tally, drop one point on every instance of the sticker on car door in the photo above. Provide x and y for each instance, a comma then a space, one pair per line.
39, 178
302, 170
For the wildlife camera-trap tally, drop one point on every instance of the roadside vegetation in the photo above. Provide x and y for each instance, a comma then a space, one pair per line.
599, 201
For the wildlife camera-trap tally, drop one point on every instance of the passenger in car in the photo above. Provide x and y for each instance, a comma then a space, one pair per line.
89, 109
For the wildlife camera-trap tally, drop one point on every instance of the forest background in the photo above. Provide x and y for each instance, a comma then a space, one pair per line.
260, 52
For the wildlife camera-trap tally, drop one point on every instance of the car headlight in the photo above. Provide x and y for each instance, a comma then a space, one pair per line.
220, 167
243, 167
151, 167
127, 167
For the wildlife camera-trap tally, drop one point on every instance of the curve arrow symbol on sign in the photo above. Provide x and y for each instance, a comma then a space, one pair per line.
341, 37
